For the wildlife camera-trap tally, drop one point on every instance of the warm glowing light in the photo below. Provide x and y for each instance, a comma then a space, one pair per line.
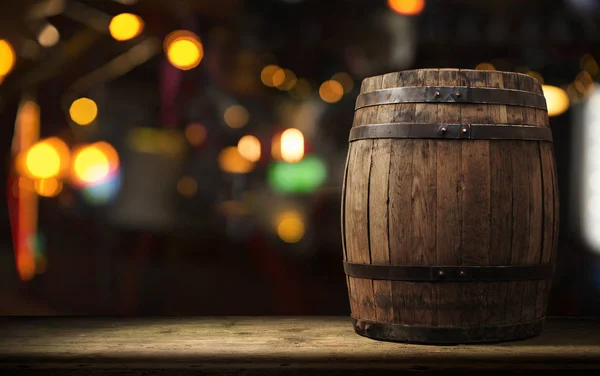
156, 141
278, 77
290, 227
536, 75
187, 186
26, 266
276, 146
267, 74
485, 66
556, 99
195, 133
331, 91
7, 57
48, 187
292, 145
589, 64
49, 36
93, 164
184, 49
42, 161
288, 82
345, 79
230, 160
125, 26
236, 116
83, 111
584, 83
407, 7
101, 192
301, 90
249, 148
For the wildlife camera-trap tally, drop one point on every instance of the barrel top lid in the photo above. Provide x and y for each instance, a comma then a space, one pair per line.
452, 77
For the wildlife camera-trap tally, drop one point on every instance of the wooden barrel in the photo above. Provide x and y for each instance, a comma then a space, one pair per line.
449, 207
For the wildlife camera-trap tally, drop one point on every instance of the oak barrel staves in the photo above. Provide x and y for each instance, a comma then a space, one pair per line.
449, 207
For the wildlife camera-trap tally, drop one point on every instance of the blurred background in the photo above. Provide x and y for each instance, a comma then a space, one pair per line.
185, 157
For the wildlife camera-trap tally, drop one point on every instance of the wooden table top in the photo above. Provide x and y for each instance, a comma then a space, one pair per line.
270, 345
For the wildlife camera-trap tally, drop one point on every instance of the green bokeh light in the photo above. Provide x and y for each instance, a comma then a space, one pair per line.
301, 177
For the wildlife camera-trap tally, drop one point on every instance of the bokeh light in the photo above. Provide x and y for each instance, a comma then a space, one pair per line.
7, 57
48, 187
589, 64
302, 177
331, 91
249, 148
288, 82
230, 160
267, 73
125, 26
49, 36
83, 111
184, 49
43, 161
292, 145
93, 163
485, 66
556, 99
187, 186
236, 116
195, 133
26, 266
301, 90
104, 191
407, 7
276, 146
345, 80
290, 226
536, 75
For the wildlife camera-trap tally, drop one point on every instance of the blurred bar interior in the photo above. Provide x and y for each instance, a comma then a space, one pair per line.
186, 157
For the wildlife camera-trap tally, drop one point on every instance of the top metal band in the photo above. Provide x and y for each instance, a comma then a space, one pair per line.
450, 273
451, 94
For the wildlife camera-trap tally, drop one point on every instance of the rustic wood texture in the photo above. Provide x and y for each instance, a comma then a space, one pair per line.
270, 346
450, 202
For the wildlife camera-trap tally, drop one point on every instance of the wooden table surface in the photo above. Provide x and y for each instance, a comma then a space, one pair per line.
270, 346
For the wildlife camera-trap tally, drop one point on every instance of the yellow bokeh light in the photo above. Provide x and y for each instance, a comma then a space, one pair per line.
301, 90
249, 148
184, 49
290, 227
230, 160
195, 133
48, 187
288, 82
331, 91
556, 99
125, 26
83, 111
7, 57
536, 75
93, 163
292, 145
42, 161
589, 64
267, 74
236, 116
407, 7
49, 36
345, 79
187, 186
485, 66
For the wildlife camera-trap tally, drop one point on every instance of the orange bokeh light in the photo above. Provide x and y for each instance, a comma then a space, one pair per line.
407, 7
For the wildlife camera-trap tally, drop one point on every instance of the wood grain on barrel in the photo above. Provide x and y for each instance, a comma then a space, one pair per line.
450, 202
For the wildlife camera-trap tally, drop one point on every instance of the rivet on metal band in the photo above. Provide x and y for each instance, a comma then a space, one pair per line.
451, 94
452, 131
448, 335
450, 273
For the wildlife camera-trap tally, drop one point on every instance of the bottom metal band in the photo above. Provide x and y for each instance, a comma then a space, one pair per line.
448, 335
450, 273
